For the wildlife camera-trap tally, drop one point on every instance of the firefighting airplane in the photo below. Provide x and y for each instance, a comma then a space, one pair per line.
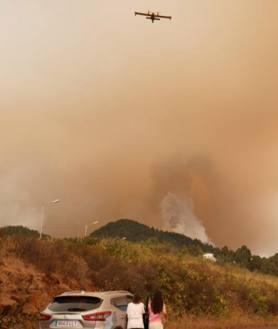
153, 16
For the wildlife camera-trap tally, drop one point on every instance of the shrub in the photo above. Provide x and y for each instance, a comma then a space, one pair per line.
188, 284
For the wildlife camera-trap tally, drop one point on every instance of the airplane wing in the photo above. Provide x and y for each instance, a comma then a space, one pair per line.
142, 14
160, 16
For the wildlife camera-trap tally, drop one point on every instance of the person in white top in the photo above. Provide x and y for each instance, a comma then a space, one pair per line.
135, 311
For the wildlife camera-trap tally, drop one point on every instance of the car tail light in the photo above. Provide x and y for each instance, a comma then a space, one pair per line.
99, 316
44, 317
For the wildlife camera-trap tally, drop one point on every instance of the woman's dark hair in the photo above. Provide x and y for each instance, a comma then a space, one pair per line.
157, 303
136, 299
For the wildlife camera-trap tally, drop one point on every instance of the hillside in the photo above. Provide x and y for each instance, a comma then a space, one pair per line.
18, 231
137, 232
32, 271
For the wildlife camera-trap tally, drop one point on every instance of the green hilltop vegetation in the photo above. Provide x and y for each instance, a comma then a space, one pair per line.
19, 231
137, 232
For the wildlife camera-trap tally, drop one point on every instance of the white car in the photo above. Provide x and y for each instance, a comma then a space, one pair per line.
81, 309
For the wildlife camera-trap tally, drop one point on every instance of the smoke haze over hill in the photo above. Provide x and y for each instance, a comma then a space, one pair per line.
111, 114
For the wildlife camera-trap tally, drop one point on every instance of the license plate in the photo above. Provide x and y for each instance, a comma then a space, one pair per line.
68, 324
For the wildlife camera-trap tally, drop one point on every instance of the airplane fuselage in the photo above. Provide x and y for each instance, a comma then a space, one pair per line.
153, 16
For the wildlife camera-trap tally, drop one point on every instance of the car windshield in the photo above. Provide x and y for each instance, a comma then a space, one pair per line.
74, 304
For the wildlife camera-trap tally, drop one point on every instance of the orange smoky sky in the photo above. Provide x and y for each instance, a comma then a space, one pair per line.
115, 116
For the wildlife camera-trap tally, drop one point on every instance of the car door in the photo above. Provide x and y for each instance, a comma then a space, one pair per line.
120, 303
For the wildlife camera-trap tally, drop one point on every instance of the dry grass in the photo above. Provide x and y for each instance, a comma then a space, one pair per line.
237, 321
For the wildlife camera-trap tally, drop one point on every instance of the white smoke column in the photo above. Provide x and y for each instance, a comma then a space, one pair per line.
178, 216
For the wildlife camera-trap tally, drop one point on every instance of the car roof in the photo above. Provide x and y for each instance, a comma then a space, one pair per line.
100, 294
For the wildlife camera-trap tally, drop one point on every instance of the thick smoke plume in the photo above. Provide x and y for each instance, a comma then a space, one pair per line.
178, 216
111, 120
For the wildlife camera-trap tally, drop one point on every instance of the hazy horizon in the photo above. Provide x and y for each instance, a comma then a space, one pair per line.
173, 123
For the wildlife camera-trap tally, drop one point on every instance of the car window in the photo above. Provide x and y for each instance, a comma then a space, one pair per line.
74, 303
121, 302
